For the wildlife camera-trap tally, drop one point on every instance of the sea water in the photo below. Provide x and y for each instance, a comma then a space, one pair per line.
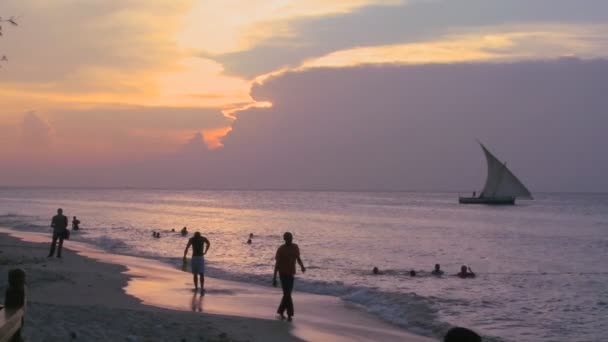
542, 265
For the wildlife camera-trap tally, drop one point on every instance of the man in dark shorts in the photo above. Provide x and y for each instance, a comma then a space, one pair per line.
199, 249
285, 266
60, 227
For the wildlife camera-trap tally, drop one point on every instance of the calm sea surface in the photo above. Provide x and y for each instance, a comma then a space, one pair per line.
542, 265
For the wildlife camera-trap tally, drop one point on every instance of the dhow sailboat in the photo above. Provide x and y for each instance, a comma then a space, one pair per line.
502, 187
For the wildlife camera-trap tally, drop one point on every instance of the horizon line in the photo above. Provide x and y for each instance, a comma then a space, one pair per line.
49, 187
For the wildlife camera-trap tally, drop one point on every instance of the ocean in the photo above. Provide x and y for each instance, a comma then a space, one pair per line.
542, 265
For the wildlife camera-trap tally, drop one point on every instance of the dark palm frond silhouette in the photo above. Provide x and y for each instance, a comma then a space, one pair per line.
13, 21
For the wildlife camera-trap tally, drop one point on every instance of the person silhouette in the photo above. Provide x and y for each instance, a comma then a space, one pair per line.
437, 271
75, 223
465, 272
459, 334
286, 257
200, 246
60, 231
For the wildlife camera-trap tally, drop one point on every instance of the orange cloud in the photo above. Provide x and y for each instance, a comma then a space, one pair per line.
213, 137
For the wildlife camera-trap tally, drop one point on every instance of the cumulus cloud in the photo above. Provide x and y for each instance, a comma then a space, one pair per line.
414, 127
394, 128
195, 147
102, 134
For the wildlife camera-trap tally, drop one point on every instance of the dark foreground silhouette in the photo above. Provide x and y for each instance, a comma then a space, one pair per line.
285, 265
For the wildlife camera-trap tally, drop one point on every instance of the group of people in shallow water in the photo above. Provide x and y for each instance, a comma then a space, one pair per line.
183, 232
465, 272
286, 258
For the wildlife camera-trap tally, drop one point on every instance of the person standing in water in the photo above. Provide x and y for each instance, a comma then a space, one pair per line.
60, 225
75, 223
287, 256
200, 246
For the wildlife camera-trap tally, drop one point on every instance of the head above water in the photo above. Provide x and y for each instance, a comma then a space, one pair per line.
461, 335
463, 268
376, 270
437, 267
412, 273
59, 211
288, 237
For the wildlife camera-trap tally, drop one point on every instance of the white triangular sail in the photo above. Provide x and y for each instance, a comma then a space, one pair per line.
501, 182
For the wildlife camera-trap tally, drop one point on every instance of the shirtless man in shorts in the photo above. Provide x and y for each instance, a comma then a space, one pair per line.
200, 246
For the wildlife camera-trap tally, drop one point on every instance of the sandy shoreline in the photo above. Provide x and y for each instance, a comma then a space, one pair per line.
96, 296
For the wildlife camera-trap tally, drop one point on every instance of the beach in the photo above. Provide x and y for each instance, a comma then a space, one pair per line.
92, 295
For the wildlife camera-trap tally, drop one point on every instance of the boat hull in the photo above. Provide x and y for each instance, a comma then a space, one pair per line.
487, 200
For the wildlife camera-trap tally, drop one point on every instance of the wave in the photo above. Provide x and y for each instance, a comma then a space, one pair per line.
413, 312
108, 243
23, 222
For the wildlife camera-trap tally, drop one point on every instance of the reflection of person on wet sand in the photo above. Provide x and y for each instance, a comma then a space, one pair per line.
199, 249
197, 303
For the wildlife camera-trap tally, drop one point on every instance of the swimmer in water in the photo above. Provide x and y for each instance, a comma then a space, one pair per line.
437, 271
466, 272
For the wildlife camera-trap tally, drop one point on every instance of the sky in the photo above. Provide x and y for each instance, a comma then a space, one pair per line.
303, 94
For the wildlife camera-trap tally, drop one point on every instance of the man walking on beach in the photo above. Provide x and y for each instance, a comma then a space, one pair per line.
199, 249
285, 266
60, 228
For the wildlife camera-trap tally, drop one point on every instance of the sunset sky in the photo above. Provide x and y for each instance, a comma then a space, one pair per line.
349, 94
